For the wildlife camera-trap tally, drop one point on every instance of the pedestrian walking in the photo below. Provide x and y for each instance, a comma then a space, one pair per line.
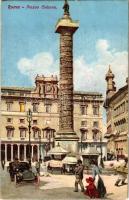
79, 176
122, 171
96, 171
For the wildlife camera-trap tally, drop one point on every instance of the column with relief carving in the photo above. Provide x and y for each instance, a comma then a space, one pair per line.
66, 27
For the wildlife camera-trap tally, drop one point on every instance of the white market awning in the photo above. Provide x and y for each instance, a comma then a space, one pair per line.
69, 160
58, 150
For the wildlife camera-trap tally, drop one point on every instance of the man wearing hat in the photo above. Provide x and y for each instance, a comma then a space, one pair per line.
122, 172
79, 176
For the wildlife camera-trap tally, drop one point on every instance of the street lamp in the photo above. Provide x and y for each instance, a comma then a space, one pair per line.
29, 119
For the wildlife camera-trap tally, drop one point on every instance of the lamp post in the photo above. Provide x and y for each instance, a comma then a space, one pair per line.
29, 119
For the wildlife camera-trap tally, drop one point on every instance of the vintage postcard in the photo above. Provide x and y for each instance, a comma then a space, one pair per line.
64, 99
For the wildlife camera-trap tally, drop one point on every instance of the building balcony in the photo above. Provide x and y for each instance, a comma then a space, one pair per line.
96, 129
22, 138
83, 128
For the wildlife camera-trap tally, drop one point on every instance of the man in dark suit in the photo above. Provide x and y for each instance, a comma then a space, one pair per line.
79, 176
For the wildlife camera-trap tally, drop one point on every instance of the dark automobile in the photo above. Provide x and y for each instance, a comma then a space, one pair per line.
19, 167
23, 166
21, 171
24, 173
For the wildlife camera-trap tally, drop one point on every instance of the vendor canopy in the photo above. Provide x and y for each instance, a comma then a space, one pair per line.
69, 160
90, 151
58, 150
55, 163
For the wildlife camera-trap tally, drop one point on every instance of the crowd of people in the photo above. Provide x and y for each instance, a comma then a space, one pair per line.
94, 187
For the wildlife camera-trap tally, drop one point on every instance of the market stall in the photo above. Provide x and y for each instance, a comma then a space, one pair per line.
88, 155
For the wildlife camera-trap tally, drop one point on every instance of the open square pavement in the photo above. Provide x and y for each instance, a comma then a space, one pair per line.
56, 187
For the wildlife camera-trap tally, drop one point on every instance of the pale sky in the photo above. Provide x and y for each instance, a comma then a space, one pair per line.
30, 45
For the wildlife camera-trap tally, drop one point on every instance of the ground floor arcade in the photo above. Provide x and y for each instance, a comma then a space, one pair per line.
9, 151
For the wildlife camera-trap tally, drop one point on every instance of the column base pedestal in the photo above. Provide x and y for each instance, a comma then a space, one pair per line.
67, 140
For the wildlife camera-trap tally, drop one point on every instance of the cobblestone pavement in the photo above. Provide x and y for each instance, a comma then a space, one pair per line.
56, 187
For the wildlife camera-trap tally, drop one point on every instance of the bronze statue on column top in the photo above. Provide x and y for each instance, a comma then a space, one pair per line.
66, 8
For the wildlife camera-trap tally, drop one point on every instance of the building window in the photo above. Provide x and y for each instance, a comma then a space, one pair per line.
35, 107
48, 108
34, 121
36, 134
10, 133
95, 136
48, 135
22, 107
9, 106
95, 110
83, 135
83, 110
9, 120
96, 124
22, 133
83, 123
22, 121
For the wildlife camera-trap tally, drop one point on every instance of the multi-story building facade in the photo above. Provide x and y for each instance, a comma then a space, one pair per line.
43, 102
116, 105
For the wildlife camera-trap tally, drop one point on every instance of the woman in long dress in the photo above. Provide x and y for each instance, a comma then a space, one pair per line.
96, 171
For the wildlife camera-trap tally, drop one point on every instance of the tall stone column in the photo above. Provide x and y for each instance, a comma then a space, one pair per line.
66, 28
66, 82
